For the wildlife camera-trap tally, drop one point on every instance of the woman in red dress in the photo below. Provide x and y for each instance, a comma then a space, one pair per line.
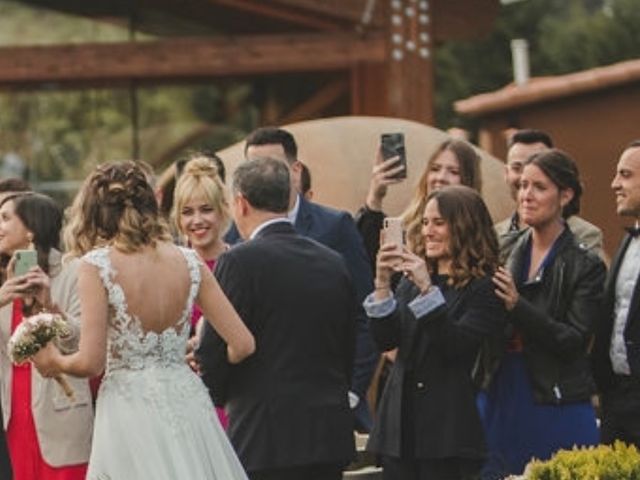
48, 434
201, 213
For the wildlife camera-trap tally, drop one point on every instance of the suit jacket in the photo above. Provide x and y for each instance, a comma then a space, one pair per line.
287, 403
586, 234
336, 230
601, 361
5, 461
64, 427
432, 374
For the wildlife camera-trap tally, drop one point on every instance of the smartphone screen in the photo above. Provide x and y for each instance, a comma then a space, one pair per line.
393, 146
25, 261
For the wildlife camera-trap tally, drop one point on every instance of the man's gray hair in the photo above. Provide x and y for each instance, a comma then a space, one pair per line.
265, 183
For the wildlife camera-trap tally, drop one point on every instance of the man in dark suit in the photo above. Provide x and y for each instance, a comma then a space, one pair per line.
336, 230
288, 408
616, 356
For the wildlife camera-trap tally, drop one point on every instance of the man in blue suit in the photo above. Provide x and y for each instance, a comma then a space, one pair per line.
336, 230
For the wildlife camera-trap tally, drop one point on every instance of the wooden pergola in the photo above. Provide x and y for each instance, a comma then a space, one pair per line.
380, 51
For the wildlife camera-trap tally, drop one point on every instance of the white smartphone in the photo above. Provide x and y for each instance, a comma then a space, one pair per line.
25, 261
393, 231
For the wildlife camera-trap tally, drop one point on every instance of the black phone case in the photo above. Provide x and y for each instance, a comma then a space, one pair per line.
392, 146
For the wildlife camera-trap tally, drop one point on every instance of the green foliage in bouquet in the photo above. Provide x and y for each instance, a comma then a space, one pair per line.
34, 333
604, 462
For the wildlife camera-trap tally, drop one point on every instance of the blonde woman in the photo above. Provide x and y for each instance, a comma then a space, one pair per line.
153, 414
201, 212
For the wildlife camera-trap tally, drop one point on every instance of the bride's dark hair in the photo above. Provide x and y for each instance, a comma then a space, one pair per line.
115, 206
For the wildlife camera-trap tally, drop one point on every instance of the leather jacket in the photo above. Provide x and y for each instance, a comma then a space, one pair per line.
556, 315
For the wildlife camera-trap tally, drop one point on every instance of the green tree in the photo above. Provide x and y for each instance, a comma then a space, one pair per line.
564, 36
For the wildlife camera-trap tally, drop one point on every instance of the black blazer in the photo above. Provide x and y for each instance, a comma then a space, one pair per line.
601, 361
337, 230
436, 356
287, 403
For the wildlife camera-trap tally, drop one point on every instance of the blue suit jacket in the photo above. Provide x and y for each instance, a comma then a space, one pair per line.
337, 230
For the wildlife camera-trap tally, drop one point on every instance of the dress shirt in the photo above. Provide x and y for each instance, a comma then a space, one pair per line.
293, 213
625, 285
419, 306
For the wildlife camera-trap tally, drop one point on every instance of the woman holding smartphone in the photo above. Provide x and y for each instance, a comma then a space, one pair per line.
48, 434
454, 162
444, 307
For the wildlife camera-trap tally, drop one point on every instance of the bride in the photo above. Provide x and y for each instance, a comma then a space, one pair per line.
154, 417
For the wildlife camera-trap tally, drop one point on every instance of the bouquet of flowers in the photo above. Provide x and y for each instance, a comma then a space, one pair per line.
33, 334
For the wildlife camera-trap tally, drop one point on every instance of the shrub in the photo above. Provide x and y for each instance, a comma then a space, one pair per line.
617, 462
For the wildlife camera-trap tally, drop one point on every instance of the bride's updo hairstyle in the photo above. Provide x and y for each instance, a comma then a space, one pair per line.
115, 206
201, 179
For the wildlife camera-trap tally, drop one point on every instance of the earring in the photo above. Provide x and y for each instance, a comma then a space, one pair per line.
30, 238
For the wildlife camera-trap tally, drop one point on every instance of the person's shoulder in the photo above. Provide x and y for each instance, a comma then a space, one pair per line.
585, 256
482, 284
502, 226
581, 228
325, 211
577, 223
587, 235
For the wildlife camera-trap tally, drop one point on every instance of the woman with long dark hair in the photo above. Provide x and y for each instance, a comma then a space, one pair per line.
48, 434
539, 398
443, 309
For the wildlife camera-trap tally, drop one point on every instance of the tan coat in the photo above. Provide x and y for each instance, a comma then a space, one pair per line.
64, 428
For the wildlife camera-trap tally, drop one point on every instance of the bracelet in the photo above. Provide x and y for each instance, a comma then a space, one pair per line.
378, 286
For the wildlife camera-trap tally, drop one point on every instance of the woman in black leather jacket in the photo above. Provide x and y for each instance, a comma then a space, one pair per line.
539, 399
445, 306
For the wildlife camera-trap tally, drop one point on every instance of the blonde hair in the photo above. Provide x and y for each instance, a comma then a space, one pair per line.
115, 206
469, 165
200, 177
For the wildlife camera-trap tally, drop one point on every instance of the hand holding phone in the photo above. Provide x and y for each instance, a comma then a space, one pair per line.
393, 231
392, 145
25, 261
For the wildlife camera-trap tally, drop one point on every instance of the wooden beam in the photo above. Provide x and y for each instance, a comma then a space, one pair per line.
314, 105
350, 11
370, 89
187, 58
278, 12
403, 86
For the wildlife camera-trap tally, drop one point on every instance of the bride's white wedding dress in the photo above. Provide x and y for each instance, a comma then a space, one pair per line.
154, 417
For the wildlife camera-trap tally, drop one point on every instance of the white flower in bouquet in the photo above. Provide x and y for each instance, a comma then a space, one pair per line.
33, 334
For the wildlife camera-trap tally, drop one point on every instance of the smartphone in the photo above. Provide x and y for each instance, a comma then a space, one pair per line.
25, 261
393, 146
393, 231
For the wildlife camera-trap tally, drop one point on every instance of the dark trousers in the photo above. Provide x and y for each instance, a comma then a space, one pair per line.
621, 412
430, 469
307, 472
5, 461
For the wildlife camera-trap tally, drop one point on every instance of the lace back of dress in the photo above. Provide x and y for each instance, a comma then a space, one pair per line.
128, 345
